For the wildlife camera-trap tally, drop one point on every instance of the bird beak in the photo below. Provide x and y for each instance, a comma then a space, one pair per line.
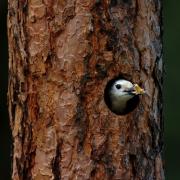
137, 90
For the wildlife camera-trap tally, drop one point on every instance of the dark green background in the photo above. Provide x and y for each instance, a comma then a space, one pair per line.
171, 13
171, 18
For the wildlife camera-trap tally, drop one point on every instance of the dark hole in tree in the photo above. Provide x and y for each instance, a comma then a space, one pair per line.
5, 151
130, 105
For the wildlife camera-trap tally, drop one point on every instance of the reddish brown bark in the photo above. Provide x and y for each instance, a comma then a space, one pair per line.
61, 56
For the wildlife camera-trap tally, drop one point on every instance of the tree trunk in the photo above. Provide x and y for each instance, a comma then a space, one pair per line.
61, 56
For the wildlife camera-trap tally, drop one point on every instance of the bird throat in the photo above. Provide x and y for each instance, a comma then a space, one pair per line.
119, 103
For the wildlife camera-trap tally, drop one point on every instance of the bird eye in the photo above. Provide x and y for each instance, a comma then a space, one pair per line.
118, 86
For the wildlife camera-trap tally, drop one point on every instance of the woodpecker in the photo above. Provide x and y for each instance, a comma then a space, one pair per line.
122, 96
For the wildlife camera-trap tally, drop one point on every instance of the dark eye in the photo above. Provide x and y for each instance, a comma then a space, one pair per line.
118, 86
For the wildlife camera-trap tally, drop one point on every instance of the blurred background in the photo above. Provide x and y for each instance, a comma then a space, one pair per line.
5, 136
171, 14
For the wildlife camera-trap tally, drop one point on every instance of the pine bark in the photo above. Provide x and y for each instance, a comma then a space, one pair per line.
61, 56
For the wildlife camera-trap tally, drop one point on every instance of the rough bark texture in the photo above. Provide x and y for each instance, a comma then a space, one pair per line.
62, 53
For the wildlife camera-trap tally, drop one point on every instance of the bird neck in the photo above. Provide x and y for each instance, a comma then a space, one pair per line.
120, 102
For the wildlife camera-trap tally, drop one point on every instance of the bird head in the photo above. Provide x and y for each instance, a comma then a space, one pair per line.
122, 96
126, 89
